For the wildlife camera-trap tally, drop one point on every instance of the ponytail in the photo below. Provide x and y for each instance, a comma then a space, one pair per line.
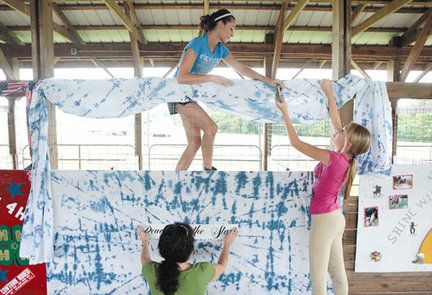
350, 178
176, 244
209, 21
359, 139
206, 24
167, 277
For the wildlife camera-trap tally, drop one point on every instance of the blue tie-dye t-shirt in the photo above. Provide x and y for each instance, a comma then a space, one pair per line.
206, 60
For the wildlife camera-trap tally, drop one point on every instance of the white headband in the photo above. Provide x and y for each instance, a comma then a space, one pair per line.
222, 16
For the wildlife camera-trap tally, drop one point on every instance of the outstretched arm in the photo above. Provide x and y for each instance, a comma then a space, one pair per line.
223, 258
248, 72
309, 150
335, 119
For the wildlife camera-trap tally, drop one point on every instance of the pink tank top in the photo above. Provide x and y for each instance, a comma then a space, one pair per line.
328, 181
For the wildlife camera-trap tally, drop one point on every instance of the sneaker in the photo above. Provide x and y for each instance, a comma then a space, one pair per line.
208, 169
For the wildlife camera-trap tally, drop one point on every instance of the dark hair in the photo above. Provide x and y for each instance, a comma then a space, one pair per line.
176, 244
208, 22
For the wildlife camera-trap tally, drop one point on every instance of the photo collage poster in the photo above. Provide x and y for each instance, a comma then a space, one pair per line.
394, 229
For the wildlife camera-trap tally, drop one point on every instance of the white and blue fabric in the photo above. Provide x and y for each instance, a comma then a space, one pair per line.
97, 250
249, 99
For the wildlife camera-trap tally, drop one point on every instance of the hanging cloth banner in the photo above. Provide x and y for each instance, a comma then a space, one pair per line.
252, 100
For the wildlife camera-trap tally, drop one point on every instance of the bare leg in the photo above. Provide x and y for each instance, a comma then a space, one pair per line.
195, 119
194, 142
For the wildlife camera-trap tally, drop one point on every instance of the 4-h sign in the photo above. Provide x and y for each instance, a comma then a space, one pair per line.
16, 276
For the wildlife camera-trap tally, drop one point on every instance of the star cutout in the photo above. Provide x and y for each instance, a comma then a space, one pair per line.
15, 189
3, 276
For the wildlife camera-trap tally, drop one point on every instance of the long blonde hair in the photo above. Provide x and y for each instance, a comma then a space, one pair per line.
357, 142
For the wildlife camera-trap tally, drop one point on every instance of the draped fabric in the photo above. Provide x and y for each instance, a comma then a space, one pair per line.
252, 100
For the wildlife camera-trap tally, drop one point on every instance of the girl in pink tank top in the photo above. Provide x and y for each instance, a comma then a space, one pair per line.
336, 169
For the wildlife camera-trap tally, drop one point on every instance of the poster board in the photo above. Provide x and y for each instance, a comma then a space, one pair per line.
394, 229
16, 276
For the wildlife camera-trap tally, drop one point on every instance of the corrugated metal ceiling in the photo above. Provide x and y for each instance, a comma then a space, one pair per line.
247, 17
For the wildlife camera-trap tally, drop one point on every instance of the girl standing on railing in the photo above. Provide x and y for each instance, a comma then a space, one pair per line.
199, 57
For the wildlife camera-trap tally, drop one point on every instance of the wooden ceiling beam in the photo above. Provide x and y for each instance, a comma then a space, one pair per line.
193, 27
25, 9
100, 65
293, 15
359, 68
369, 2
18, 5
76, 38
132, 14
322, 64
7, 66
417, 48
278, 39
127, 22
257, 62
303, 67
8, 36
377, 64
63, 32
426, 70
379, 15
409, 90
265, 7
410, 35
252, 50
359, 9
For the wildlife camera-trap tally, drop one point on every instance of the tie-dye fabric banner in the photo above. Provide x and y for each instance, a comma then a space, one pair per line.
253, 100
97, 250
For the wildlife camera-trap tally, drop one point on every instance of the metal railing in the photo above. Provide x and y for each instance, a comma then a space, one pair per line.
301, 157
407, 154
218, 158
288, 158
413, 153
80, 159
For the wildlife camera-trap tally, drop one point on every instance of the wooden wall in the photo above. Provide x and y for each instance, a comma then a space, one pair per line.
378, 283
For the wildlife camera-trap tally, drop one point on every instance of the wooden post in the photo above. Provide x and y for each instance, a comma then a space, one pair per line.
268, 64
341, 50
43, 62
206, 6
138, 67
277, 40
267, 126
11, 69
394, 75
12, 118
12, 132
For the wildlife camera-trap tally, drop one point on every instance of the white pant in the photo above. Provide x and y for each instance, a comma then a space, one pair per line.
326, 253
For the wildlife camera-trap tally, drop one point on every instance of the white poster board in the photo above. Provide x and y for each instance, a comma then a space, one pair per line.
394, 228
